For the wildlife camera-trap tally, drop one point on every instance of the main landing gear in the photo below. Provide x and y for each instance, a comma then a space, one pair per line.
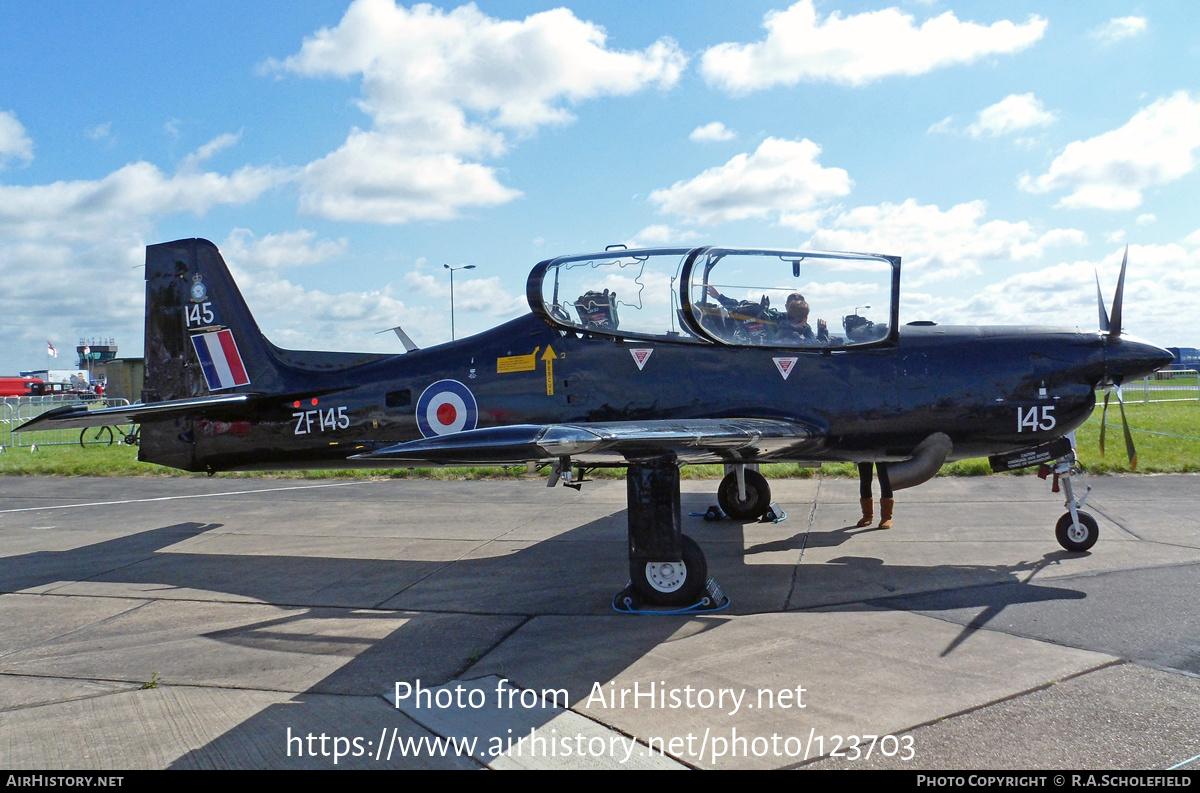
667, 570
1076, 530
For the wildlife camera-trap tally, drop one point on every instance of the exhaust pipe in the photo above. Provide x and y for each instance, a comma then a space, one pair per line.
923, 465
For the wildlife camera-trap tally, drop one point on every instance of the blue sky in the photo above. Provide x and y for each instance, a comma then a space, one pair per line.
340, 154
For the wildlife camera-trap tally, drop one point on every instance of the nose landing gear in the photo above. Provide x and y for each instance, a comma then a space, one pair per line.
744, 494
1076, 530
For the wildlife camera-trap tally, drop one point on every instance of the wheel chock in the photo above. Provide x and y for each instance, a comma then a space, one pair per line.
627, 601
774, 514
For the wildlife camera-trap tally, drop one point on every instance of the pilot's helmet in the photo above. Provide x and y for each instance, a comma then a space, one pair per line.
797, 307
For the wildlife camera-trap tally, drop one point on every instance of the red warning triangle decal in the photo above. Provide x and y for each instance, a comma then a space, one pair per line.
640, 356
784, 365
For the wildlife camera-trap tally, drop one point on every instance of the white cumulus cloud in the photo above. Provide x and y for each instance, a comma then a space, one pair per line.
1119, 28
484, 295
377, 178
937, 244
781, 179
131, 197
1013, 113
941, 126
857, 49
1111, 171
209, 150
274, 251
712, 132
1064, 294
70, 250
100, 131
445, 88
14, 143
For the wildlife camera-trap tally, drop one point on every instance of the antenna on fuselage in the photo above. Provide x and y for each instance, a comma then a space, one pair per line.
409, 346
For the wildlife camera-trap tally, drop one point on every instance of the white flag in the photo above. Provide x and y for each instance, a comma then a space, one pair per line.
53, 353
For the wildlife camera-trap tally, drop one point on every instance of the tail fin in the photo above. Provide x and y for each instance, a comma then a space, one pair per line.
201, 341
200, 336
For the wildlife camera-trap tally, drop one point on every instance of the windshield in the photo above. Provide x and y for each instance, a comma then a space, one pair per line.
791, 299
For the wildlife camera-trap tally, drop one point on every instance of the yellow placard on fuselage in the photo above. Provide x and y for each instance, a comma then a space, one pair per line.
517, 363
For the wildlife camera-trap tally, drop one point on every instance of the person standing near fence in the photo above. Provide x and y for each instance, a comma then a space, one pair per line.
886, 502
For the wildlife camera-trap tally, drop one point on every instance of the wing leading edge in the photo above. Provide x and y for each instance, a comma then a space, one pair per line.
691, 440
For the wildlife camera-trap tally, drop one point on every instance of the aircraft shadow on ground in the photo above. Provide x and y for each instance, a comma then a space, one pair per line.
454, 613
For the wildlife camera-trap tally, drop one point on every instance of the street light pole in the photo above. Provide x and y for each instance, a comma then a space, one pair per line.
452, 269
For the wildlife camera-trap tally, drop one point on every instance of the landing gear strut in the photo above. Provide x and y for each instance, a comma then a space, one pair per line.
1076, 530
666, 569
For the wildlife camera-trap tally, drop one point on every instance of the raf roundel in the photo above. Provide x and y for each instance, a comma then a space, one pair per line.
446, 407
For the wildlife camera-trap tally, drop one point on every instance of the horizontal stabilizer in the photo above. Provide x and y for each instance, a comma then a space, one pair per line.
691, 440
224, 405
78, 416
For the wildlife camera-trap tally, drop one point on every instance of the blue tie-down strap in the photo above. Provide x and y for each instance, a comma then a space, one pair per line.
627, 602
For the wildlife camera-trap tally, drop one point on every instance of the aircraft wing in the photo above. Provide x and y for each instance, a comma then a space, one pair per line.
691, 440
78, 416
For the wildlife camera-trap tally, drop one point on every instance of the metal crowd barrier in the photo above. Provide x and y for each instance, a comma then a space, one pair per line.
1169, 385
18, 410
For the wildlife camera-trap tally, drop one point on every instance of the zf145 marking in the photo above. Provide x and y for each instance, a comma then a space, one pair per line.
310, 421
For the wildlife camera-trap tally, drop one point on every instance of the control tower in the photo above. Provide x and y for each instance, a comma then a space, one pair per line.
94, 354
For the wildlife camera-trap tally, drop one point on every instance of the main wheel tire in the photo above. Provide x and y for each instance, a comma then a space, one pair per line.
672, 583
758, 496
96, 435
1080, 539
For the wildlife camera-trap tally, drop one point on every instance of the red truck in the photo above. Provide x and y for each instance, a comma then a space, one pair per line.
21, 386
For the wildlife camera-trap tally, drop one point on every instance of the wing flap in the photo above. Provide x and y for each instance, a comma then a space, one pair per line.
691, 440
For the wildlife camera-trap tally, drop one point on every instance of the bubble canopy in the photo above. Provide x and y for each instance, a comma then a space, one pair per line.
724, 296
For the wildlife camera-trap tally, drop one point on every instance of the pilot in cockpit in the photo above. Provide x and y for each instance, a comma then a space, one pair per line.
793, 326
743, 321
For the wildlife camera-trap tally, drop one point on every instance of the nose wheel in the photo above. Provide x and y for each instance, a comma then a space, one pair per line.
750, 506
1077, 537
1076, 530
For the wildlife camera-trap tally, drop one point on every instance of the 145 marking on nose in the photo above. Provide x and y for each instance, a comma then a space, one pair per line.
1038, 417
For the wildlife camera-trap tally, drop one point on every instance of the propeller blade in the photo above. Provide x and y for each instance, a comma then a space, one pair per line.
1115, 324
1104, 418
1129, 450
1100, 302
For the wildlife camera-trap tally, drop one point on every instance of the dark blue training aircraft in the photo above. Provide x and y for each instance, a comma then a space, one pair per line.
643, 359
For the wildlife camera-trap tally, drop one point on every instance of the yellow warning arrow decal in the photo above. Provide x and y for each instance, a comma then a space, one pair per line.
548, 356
